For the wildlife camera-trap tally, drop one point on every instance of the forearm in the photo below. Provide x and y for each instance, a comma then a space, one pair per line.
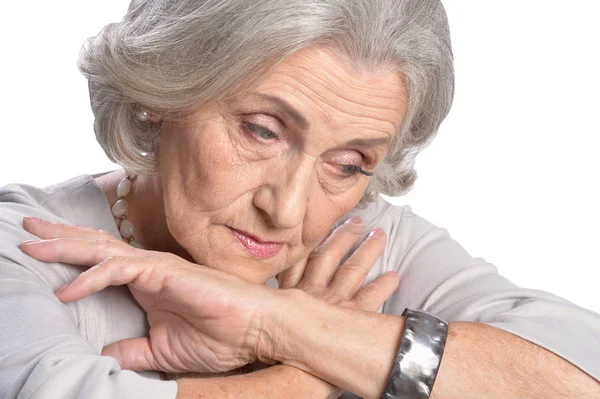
273, 382
484, 361
356, 350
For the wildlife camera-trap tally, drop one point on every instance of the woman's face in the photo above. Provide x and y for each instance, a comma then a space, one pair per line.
252, 185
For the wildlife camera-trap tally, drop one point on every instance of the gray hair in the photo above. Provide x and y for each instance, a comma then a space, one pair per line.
173, 56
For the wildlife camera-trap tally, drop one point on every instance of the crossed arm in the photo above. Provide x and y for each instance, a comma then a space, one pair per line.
476, 364
321, 343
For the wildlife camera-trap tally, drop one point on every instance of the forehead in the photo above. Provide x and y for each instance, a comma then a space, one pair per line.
327, 87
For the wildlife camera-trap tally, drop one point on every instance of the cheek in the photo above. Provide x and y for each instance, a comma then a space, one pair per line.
321, 215
203, 172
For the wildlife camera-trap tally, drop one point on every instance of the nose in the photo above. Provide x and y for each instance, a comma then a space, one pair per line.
284, 197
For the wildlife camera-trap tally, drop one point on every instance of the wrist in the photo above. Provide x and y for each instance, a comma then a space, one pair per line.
268, 330
279, 325
349, 348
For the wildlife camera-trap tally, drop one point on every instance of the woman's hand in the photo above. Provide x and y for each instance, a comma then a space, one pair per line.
214, 318
322, 276
200, 319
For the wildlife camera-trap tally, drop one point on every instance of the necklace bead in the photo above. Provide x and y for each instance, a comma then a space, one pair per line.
126, 229
124, 187
119, 211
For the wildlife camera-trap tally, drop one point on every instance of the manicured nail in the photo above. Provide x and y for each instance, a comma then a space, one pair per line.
34, 219
354, 220
376, 233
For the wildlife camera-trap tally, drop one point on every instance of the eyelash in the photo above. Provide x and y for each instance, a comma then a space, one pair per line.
255, 130
354, 169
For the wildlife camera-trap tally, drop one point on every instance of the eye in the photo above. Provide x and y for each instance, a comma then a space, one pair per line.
347, 163
351, 170
258, 131
345, 170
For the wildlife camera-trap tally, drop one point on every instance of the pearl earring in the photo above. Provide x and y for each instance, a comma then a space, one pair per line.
143, 115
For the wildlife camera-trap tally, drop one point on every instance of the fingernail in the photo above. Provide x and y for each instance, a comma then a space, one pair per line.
354, 220
376, 233
34, 219
29, 242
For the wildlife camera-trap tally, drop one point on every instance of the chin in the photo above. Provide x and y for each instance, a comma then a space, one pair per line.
240, 255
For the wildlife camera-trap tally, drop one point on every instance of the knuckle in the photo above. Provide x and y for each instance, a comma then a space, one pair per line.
351, 229
332, 298
324, 254
99, 232
113, 261
105, 243
318, 251
354, 268
117, 258
370, 291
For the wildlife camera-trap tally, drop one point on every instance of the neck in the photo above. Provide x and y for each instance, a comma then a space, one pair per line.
145, 210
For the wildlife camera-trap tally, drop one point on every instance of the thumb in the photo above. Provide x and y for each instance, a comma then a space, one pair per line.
133, 354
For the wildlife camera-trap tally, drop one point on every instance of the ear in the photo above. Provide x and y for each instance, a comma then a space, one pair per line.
155, 117
147, 115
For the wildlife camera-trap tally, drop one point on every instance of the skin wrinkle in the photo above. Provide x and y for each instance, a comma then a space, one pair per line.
319, 78
299, 119
326, 115
350, 125
213, 173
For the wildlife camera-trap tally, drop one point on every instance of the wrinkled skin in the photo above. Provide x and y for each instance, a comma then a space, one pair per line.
250, 165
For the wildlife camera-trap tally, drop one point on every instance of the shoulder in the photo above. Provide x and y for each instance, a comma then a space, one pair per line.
76, 201
18, 200
419, 250
404, 229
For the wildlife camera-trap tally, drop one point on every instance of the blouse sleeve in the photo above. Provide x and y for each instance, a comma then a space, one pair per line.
438, 275
42, 353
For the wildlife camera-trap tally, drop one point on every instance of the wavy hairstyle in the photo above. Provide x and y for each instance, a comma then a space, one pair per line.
174, 56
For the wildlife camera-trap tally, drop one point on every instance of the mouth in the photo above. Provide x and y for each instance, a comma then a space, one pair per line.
255, 247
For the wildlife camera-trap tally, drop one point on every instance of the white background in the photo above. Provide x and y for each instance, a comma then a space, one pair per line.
513, 174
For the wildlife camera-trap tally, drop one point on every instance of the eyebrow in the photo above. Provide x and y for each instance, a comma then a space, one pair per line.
288, 109
372, 142
305, 125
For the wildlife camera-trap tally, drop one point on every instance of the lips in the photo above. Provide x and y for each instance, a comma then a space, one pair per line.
255, 247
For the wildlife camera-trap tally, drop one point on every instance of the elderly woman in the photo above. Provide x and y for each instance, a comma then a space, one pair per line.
255, 138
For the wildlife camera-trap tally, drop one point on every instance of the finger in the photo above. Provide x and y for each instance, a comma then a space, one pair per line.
47, 230
112, 271
291, 277
372, 296
324, 260
133, 354
75, 251
350, 276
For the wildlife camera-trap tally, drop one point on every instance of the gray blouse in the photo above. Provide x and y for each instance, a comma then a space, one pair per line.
52, 350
